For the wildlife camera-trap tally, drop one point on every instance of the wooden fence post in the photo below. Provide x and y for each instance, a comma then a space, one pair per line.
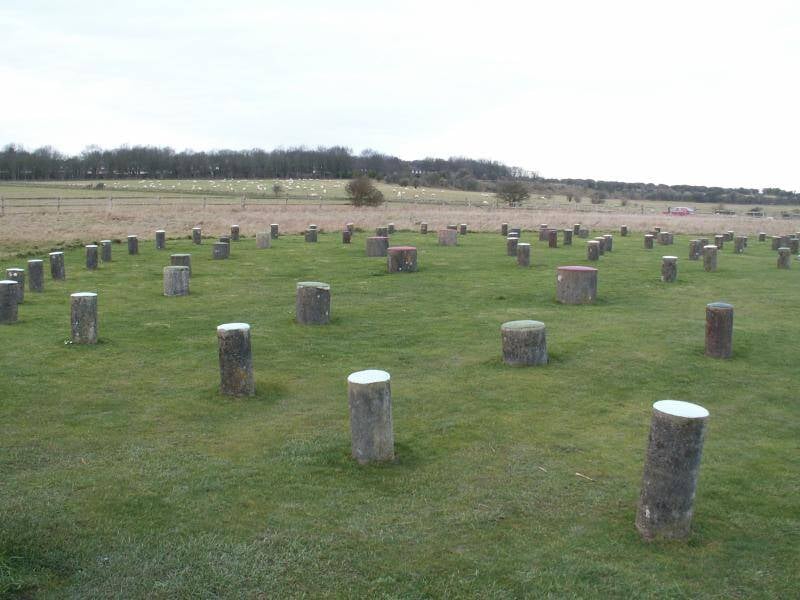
204, 202
58, 205
243, 196
2, 206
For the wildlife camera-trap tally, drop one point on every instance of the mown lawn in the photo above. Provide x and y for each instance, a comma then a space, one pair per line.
126, 474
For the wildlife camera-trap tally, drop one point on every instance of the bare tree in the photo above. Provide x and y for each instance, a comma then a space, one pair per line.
512, 192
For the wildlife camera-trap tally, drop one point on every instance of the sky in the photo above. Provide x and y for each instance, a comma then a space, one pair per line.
676, 92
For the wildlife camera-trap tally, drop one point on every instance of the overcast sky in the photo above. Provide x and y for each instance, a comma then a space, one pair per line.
700, 92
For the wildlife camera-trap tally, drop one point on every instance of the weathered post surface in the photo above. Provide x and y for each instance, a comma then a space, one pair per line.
161, 239
8, 301
462, 229
176, 281
181, 260
453, 226
524, 343
738, 244
351, 227
784, 258
390, 228
313, 303
511, 245
263, 240
91, 256
18, 275
401, 259
710, 258
220, 250
515, 231
371, 432
609, 242
552, 238
576, 229
382, 232
36, 275
601, 245
657, 230
592, 250
543, 232
234, 233
448, 237
105, 250
623, 230
729, 235
583, 233
523, 254
776, 242
197, 235
762, 236
235, 360
313, 226
57, 270
671, 467
273, 230
648, 241
347, 236
567, 237
311, 235
377, 246
423, 228
576, 285
669, 268
794, 244
719, 241
694, 250
225, 239
83, 317
133, 244
703, 243
504, 229
719, 330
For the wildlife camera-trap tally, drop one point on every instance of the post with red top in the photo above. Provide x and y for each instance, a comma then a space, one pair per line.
576, 285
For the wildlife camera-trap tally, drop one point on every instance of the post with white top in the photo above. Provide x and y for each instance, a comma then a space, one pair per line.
105, 250
161, 239
36, 275
8, 301
197, 235
83, 318
671, 468
91, 257
176, 280
313, 303
669, 269
17, 275
371, 430
57, 270
133, 245
235, 360
524, 343
181, 260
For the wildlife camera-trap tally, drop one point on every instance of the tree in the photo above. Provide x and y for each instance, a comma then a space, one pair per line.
363, 192
513, 192
277, 188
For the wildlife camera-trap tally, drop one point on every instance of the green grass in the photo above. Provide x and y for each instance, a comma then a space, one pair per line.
125, 473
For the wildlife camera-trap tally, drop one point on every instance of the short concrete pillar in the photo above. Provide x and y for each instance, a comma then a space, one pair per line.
663, 238
133, 244
311, 235
576, 229
235, 360
776, 242
197, 235
710, 258
273, 230
263, 240
511, 245
694, 250
671, 467
225, 239
524, 343
234, 233
313, 303
36, 275
382, 232
739, 244
719, 330
703, 243
583, 233
719, 241
369, 397
220, 250
609, 242
181, 260
401, 259
567, 237
543, 232
83, 317
669, 269
8, 301
504, 229
576, 285
91, 256
377, 245
448, 237
161, 239
552, 238
351, 227
601, 245
648, 241
176, 281
453, 226
762, 237
390, 228
423, 228
314, 226
657, 230
347, 236
105, 250
18, 275
57, 270
623, 230
462, 229
592, 250
794, 244
523, 254
784, 258
729, 235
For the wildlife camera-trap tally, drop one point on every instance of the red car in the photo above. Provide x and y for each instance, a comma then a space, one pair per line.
679, 211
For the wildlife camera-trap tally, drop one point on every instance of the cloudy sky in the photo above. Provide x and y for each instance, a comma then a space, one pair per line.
700, 92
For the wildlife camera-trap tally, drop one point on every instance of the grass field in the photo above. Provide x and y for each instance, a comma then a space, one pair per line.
126, 474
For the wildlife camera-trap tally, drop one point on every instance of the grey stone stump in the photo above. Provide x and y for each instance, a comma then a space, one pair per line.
657, 230
176, 281
161, 239
314, 226
347, 235
133, 244
719, 330
382, 232
576, 285
523, 254
719, 241
220, 250
263, 240
105, 250
448, 237
543, 232
738, 244
663, 238
8, 301
36, 275
669, 269
369, 397
91, 257
390, 228
234, 233
511, 245
17, 275
311, 235
401, 259
524, 343
515, 231
462, 228
762, 237
671, 467
694, 250
181, 260
609, 242
576, 229
567, 234
235, 360
592, 250
57, 270
423, 228
225, 239
351, 227
453, 226
794, 245
83, 317
623, 230
273, 230
729, 235
710, 258
377, 246
703, 243
504, 229
776, 242
197, 235
602, 245
784, 258
583, 233
313, 303
552, 238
